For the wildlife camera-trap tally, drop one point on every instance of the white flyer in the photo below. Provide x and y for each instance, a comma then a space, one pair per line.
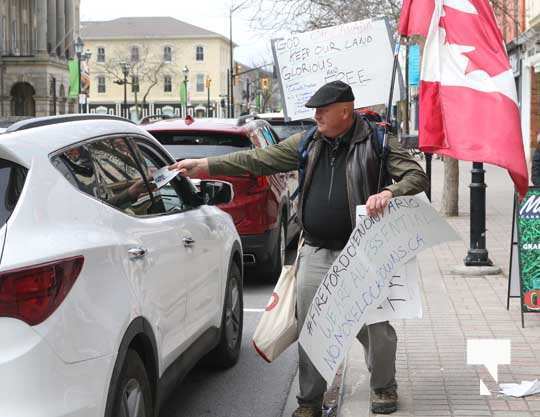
163, 176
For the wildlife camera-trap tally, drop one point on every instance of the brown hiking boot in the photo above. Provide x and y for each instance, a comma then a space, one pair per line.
307, 411
384, 401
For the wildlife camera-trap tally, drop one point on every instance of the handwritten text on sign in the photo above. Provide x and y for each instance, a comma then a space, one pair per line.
358, 280
403, 300
358, 53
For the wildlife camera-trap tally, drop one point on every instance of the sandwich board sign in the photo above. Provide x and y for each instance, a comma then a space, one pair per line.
359, 54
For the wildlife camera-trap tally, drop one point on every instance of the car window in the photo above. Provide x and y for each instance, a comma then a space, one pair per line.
209, 139
284, 131
12, 178
121, 183
76, 166
176, 196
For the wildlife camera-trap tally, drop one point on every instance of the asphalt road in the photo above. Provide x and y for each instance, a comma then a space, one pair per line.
252, 388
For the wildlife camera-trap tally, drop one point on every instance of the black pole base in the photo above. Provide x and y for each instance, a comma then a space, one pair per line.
477, 257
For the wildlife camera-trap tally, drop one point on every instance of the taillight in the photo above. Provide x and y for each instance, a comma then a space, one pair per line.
33, 293
260, 184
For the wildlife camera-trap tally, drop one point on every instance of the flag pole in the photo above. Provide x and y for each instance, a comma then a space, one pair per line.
388, 112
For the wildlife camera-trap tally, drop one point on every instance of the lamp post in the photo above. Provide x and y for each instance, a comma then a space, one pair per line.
231, 73
185, 71
79, 46
125, 73
208, 83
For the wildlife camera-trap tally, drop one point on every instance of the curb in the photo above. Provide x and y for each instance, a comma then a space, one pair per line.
355, 389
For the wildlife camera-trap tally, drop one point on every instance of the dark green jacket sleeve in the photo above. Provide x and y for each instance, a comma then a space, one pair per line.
282, 157
408, 175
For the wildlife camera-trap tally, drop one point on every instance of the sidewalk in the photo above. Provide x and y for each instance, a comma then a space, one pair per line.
432, 372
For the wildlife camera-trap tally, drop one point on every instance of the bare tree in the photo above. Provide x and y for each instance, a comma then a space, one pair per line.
146, 71
302, 15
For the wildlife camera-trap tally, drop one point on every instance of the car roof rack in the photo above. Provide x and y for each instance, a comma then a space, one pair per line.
64, 118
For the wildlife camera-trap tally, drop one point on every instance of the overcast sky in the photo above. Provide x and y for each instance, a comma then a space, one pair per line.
253, 47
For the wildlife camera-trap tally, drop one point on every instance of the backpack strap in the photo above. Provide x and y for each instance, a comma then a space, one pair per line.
302, 159
379, 130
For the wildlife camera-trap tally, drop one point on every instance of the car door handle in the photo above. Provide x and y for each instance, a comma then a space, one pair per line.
188, 241
136, 253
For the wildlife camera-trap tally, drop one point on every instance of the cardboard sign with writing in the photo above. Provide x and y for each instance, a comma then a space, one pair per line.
403, 300
358, 53
358, 281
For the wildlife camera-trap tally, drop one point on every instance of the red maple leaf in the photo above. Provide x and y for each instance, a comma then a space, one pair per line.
479, 31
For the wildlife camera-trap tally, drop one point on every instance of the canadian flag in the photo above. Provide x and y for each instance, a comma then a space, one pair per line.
468, 101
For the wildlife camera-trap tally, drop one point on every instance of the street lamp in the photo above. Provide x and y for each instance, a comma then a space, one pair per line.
125, 72
208, 83
231, 73
185, 71
79, 46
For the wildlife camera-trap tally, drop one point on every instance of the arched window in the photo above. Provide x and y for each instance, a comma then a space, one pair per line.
167, 54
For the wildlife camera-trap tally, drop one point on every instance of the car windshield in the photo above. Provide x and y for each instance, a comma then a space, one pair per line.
12, 178
208, 139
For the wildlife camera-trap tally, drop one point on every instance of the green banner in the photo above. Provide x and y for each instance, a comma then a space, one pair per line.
529, 250
183, 94
74, 75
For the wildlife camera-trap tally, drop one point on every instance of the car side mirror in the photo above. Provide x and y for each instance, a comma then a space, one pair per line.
214, 192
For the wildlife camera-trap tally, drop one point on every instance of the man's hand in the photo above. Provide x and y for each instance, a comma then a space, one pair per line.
378, 202
191, 167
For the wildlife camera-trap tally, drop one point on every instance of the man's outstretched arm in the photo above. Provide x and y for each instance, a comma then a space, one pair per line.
282, 157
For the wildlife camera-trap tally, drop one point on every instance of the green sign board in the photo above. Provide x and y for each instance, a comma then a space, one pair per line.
529, 250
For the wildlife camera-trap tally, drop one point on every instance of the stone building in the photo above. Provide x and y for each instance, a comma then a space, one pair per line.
36, 40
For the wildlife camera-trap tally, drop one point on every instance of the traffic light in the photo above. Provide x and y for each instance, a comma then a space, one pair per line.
265, 83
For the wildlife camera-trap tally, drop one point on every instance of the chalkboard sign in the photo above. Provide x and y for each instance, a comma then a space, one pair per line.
529, 250
358, 53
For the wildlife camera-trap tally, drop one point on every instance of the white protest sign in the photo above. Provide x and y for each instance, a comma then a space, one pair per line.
358, 280
358, 53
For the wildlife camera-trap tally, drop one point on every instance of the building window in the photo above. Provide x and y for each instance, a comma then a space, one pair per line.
167, 54
134, 54
167, 84
101, 88
199, 53
101, 55
200, 83
135, 84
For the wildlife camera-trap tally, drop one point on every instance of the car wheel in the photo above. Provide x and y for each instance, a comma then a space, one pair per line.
272, 270
133, 395
227, 352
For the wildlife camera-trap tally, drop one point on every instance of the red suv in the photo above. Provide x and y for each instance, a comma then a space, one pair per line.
261, 209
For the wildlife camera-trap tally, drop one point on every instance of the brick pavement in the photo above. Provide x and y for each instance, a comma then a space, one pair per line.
433, 376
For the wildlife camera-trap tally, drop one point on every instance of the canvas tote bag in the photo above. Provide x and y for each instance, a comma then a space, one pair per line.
277, 329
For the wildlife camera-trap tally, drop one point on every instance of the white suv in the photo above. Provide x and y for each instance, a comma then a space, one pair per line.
110, 289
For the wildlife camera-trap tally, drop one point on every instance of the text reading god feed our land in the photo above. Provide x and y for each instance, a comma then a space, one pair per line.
358, 281
358, 53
